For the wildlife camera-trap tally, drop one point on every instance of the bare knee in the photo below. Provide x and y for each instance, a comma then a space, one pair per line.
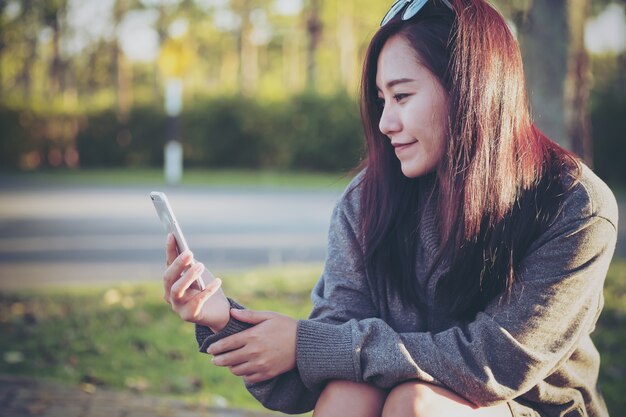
419, 399
345, 399
408, 399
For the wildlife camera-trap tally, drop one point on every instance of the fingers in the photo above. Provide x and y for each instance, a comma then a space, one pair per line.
209, 291
237, 357
243, 369
252, 316
171, 252
243, 362
180, 286
229, 343
176, 268
202, 297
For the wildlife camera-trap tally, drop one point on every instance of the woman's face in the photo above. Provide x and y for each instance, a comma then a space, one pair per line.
415, 110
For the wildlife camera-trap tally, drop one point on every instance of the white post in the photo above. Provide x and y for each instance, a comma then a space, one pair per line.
173, 162
173, 158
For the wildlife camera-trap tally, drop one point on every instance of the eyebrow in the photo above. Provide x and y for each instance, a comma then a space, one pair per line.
396, 82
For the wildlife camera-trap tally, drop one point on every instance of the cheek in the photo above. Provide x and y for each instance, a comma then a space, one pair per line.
440, 129
440, 144
441, 150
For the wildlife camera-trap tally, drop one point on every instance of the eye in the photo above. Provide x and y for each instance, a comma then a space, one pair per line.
400, 96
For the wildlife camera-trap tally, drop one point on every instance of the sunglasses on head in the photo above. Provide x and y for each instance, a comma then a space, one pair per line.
412, 7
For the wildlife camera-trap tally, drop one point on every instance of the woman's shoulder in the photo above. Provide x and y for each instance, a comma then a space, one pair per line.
589, 196
348, 205
350, 200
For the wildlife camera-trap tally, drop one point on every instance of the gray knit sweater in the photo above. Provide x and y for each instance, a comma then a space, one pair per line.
534, 351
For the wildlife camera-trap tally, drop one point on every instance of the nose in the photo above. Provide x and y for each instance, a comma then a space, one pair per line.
389, 121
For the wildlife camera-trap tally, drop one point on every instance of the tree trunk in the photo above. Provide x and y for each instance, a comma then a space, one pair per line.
544, 40
24, 78
248, 58
124, 86
347, 45
579, 83
54, 82
3, 5
557, 70
314, 32
292, 61
122, 69
229, 70
1, 65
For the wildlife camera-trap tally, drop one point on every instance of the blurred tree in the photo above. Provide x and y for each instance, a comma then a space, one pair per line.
557, 67
53, 14
544, 39
3, 28
249, 37
248, 59
314, 32
267, 48
29, 28
578, 83
120, 68
346, 40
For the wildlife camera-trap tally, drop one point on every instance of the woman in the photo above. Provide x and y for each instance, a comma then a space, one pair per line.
465, 262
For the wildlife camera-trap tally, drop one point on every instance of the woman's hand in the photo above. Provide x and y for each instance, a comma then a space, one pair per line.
261, 352
183, 293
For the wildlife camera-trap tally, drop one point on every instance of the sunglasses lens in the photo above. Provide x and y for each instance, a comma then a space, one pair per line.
413, 8
397, 6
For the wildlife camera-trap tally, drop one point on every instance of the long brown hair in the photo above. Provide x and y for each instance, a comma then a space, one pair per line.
500, 182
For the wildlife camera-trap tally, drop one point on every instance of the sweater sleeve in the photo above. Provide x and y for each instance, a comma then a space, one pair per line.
507, 349
206, 337
341, 294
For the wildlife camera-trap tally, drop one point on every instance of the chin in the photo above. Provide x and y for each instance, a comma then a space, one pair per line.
412, 172
415, 171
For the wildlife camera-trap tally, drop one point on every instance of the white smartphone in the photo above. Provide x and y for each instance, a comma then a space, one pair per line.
169, 222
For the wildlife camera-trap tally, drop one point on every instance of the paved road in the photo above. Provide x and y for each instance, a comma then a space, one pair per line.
51, 235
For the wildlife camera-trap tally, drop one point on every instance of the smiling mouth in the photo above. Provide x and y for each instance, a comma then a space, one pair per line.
400, 146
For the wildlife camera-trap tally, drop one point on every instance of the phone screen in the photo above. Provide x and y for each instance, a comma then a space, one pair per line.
169, 222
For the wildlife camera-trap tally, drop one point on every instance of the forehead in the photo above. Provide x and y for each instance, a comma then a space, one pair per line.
398, 60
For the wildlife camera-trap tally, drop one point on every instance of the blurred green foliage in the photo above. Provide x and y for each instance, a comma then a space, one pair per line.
305, 132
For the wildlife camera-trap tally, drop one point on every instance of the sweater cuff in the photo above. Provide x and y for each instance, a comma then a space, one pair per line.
206, 337
324, 352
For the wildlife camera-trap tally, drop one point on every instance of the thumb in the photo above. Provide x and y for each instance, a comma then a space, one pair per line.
251, 316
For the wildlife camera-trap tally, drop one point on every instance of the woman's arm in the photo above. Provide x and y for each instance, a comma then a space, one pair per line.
342, 293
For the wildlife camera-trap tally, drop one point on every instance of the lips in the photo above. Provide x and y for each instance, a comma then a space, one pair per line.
399, 146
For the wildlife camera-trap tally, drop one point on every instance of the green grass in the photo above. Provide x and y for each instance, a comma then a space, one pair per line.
126, 337
193, 177
610, 338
